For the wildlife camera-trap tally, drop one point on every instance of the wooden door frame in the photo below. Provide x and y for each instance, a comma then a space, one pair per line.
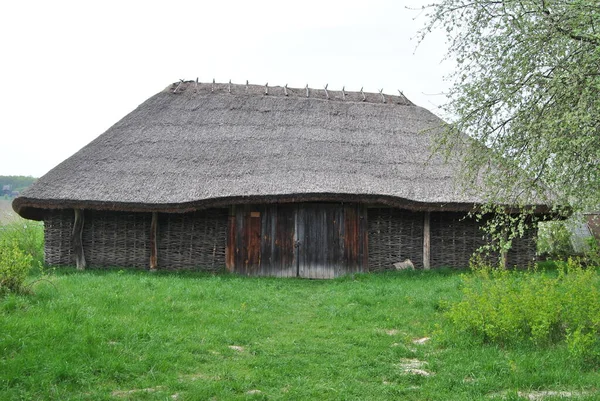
348, 261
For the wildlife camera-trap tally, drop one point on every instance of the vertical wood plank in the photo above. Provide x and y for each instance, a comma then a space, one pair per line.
339, 245
253, 241
347, 237
283, 246
77, 239
239, 240
364, 232
230, 247
153, 242
426, 240
274, 267
264, 241
299, 243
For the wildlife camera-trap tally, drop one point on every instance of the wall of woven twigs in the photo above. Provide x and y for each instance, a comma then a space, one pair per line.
394, 236
197, 241
193, 241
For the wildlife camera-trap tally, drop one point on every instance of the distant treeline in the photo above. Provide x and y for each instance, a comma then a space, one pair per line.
17, 182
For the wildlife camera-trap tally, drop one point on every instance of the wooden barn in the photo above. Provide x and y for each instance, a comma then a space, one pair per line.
261, 181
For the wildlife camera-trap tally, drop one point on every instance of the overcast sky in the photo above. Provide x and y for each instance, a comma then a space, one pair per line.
71, 69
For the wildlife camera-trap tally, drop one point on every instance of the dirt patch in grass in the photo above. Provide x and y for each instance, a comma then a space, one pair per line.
136, 391
540, 395
414, 367
197, 376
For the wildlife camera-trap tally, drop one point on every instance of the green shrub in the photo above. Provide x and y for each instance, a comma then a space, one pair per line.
554, 240
14, 267
21, 248
592, 256
510, 307
29, 237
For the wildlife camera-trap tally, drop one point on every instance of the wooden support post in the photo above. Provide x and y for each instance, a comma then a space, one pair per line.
154, 242
426, 241
504, 252
77, 239
504, 259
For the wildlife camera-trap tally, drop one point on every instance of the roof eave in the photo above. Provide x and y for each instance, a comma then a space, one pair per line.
34, 209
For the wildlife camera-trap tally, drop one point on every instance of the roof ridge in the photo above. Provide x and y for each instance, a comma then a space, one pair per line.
191, 86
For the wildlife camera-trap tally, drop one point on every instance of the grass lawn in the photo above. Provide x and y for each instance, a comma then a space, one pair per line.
110, 335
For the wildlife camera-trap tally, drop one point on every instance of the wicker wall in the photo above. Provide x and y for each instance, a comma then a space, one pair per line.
185, 241
194, 241
116, 239
454, 238
58, 225
522, 253
394, 235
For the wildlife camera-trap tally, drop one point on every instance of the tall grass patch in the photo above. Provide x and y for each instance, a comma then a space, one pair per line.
21, 248
28, 235
509, 307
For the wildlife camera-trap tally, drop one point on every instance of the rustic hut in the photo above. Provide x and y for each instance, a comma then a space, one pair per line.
263, 181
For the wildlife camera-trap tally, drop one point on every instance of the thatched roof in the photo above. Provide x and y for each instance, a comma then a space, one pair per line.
201, 145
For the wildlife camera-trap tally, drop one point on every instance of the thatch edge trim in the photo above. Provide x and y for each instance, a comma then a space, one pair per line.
323, 94
33, 209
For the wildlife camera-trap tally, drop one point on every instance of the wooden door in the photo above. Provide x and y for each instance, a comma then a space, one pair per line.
331, 240
312, 240
261, 240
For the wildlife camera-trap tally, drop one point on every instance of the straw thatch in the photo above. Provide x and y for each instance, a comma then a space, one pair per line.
195, 146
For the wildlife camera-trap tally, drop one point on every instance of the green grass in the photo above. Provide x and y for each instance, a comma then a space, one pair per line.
109, 335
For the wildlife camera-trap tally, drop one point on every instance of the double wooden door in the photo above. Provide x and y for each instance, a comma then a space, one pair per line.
312, 240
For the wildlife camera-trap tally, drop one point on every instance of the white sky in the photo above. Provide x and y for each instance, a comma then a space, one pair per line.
71, 69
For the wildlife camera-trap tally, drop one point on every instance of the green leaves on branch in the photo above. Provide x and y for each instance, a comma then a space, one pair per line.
527, 85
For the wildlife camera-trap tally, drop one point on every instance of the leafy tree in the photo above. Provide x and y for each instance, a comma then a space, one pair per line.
527, 85
17, 182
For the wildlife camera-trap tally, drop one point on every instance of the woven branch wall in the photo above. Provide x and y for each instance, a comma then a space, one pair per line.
523, 251
116, 239
119, 239
193, 240
454, 239
394, 235
58, 225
